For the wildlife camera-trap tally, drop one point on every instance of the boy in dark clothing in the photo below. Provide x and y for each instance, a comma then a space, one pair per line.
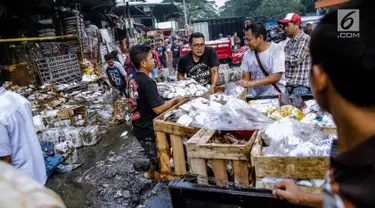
176, 53
146, 104
161, 49
117, 78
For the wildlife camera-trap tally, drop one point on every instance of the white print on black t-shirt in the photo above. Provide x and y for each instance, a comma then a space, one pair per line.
201, 73
133, 97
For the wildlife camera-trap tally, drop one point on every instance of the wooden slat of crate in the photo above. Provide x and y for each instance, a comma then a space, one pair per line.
271, 186
199, 148
173, 128
287, 167
171, 134
199, 151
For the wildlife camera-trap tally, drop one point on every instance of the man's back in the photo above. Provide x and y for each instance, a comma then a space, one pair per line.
17, 135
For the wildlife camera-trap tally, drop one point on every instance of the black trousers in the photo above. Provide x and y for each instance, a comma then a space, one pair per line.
163, 62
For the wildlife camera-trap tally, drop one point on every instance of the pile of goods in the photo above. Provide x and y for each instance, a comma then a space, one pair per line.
226, 138
184, 88
289, 137
66, 117
231, 91
227, 74
234, 115
310, 113
301, 134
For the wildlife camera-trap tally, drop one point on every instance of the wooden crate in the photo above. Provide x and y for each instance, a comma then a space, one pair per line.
287, 166
69, 113
199, 151
169, 133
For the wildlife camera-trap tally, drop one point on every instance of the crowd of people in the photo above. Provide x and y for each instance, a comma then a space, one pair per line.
322, 64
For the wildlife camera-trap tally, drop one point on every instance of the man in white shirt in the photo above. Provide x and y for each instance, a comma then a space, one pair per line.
271, 81
19, 143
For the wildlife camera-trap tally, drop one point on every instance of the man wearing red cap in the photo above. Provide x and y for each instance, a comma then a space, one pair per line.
297, 56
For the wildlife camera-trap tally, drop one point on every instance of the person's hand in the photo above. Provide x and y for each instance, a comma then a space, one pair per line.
179, 98
213, 88
244, 83
289, 191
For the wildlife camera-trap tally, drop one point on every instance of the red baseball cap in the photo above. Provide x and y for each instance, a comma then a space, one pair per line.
291, 17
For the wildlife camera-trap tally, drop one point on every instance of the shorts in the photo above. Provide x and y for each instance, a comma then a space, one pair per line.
148, 143
155, 73
117, 94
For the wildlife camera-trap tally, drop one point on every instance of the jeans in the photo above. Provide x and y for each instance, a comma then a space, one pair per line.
299, 90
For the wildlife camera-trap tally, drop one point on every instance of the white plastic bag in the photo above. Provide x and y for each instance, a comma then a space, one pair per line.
90, 135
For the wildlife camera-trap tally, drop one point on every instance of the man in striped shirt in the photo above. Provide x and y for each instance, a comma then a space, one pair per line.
297, 56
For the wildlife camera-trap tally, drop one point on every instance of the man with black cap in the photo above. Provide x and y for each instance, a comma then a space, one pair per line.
297, 56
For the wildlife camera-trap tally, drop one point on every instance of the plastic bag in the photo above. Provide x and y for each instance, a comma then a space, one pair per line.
289, 137
265, 105
235, 115
90, 135
68, 150
38, 123
73, 135
286, 111
234, 90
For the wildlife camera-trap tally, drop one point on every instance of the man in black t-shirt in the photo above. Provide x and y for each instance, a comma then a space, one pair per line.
201, 63
176, 53
161, 49
146, 104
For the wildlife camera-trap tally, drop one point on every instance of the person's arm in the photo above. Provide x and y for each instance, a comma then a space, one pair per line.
5, 147
297, 57
214, 66
127, 81
246, 68
157, 60
180, 69
165, 51
246, 76
289, 191
108, 76
214, 76
167, 105
273, 78
123, 72
156, 102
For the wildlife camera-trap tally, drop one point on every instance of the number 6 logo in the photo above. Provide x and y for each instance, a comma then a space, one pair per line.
348, 20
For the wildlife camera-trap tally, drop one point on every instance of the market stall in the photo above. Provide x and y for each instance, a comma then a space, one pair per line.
255, 144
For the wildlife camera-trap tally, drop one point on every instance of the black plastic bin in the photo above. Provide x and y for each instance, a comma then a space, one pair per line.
188, 194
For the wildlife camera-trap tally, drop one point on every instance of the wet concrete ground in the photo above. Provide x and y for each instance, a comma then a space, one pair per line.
107, 177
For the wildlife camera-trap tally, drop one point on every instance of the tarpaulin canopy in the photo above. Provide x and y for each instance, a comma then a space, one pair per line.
327, 3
